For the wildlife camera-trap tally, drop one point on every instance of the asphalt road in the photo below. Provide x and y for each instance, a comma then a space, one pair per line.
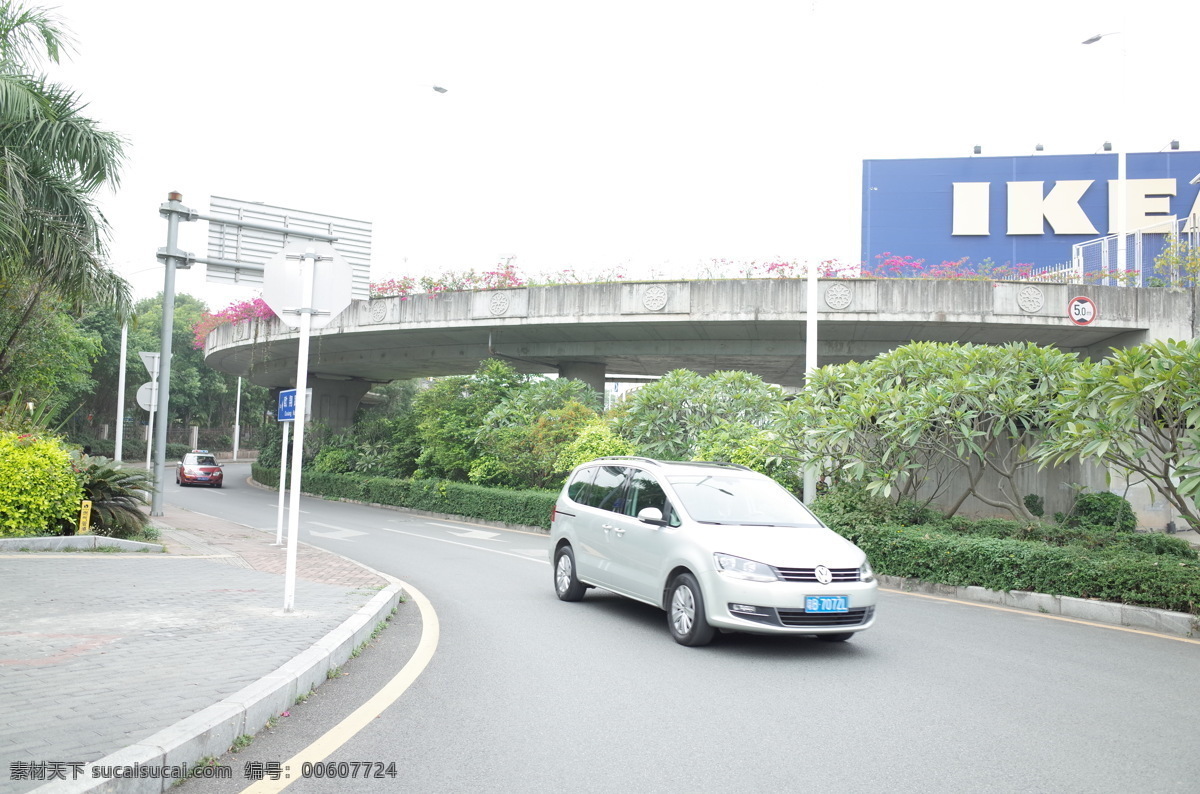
526, 693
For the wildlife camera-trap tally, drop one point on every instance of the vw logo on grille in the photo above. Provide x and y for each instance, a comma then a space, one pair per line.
823, 574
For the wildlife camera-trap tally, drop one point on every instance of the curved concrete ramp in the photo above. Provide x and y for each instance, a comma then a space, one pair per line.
594, 331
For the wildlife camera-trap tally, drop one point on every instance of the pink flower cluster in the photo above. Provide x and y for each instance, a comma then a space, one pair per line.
239, 312
826, 268
892, 265
503, 276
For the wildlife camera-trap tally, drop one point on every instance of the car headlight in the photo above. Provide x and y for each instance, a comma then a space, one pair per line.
741, 568
865, 574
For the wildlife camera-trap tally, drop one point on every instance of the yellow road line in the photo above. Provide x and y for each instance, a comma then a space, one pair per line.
362, 716
1031, 613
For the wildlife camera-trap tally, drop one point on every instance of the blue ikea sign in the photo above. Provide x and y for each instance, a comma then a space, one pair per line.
1020, 210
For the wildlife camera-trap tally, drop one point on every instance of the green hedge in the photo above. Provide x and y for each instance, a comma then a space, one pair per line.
1119, 575
523, 508
1092, 537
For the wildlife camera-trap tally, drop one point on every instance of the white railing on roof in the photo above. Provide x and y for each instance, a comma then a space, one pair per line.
1095, 261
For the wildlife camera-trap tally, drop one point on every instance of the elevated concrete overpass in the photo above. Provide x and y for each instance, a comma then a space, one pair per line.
599, 332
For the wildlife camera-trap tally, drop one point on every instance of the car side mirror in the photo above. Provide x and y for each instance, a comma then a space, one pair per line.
651, 515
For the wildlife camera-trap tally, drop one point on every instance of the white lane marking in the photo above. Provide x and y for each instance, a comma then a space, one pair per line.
365, 714
468, 545
541, 554
478, 534
501, 529
338, 533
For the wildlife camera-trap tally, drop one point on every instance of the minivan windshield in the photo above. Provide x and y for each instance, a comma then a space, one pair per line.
721, 499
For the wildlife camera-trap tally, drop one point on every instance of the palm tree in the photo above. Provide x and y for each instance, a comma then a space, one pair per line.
52, 162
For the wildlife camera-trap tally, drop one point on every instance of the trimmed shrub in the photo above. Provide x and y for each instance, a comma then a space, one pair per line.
1120, 575
39, 494
1102, 510
523, 507
851, 505
1083, 536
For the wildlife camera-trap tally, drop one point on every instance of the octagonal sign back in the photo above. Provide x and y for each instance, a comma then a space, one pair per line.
283, 289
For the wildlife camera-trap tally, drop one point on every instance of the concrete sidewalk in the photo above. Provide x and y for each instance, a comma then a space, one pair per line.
162, 659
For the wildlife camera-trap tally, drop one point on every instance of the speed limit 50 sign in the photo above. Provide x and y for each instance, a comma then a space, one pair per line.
1082, 311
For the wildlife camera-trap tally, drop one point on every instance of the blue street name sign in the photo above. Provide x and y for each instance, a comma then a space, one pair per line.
287, 406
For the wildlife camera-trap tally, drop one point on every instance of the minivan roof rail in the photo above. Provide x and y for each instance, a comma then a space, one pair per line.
631, 457
656, 462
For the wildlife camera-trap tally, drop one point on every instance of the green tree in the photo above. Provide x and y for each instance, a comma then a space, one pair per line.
52, 162
450, 413
1137, 410
753, 447
49, 360
665, 419
929, 416
594, 440
522, 436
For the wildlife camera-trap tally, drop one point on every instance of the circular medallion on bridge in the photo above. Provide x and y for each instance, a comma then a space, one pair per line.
654, 298
498, 303
838, 296
1031, 299
378, 311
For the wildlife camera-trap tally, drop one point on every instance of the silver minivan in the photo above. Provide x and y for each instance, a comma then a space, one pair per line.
716, 545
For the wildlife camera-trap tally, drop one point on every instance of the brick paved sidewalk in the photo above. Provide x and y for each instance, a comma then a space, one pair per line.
100, 651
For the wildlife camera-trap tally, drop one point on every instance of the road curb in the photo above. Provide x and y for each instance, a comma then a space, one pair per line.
211, 732
75, 543
1179, 624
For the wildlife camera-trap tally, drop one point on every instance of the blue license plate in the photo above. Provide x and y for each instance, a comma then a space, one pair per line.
827, 604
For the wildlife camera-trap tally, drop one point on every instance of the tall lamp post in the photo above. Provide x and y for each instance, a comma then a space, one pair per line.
1122, 146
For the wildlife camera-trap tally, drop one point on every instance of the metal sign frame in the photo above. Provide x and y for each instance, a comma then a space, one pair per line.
238, 250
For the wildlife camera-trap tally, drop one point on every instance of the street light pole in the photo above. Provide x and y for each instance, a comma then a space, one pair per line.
810, 366
1122, 147
172, 210
118, 451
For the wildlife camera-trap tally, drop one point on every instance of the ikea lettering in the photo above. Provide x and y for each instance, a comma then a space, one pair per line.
1020, 210
1147, 207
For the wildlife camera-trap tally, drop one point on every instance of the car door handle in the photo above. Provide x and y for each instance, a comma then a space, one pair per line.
607, 527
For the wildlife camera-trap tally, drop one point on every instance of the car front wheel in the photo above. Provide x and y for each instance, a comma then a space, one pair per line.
566, 586
685, 612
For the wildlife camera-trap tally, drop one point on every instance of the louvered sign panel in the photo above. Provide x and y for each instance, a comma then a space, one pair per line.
238, 246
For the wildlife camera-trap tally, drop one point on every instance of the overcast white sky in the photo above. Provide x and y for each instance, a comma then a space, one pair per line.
650, 134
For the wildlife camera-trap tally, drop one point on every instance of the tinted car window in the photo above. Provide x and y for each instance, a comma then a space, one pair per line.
199, 460
580, 490
609, 490
645, 491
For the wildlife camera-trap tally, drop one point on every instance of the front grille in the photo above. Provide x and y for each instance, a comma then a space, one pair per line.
809, 575
798, 618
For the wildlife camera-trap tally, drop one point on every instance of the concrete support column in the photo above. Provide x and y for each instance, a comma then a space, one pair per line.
590, 373
335, 401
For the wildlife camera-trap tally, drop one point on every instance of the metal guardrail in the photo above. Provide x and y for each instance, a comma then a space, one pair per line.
1095, 261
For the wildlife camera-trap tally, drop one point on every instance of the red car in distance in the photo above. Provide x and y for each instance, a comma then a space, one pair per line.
199, 467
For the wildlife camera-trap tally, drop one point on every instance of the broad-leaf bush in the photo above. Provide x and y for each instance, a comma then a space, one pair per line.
1138, 411
38, 488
